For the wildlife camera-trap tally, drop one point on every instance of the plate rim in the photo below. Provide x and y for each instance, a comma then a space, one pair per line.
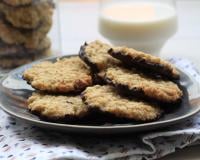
80, 126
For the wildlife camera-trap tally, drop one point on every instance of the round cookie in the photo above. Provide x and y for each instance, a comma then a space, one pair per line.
9, 62
138, 84
63, 76
145, 62
106, 99
16, 3
28, 17
30, 39
20, 50
95, 55
57, 107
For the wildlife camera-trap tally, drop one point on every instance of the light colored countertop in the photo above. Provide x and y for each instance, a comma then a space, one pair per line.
79, 24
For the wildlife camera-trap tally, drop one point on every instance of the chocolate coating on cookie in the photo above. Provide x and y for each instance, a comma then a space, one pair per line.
95, 55
57, 107
140, 85
144, 62
85, 58
106, 99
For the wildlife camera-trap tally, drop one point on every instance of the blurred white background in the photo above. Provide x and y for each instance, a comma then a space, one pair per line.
79, 23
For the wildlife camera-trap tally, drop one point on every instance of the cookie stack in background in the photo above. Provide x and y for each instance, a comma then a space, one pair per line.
24, 25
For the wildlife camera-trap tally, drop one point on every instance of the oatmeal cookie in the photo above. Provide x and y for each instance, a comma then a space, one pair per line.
106, 99
95, 55
30, 39
138, 84
57, 107
63, 76
145, 62
8, 62
28, 17
20, 50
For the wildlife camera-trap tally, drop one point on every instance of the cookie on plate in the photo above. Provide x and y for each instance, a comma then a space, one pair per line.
106, 99
20, 50
12, 61
63, 76
57, 107
145, 62
95, 55
28, 17
138, 84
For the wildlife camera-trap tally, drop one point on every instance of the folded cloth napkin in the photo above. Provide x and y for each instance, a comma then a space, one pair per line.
21, 141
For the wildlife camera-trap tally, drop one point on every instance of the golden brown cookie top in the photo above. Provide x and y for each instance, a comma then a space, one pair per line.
138, 83
56, 106
63, 76
95, 54
107, 99
144, 61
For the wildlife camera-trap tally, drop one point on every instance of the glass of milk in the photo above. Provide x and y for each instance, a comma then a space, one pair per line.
144, 25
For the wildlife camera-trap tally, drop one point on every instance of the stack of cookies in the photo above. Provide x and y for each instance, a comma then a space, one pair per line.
117, 82
24, 25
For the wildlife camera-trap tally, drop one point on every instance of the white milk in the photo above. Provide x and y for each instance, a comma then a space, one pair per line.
142, 25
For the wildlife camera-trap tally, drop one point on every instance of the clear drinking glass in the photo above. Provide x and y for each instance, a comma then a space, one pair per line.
145, 25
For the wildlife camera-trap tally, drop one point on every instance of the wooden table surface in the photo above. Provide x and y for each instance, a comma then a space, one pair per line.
79, 23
